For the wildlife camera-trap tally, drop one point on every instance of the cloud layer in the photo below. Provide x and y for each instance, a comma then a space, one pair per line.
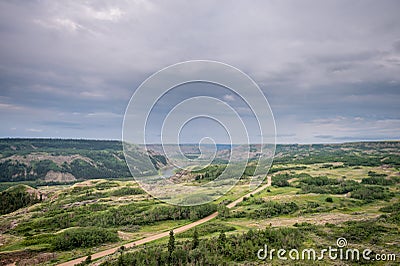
330, 69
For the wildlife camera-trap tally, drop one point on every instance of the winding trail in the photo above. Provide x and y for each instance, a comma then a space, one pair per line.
166, 233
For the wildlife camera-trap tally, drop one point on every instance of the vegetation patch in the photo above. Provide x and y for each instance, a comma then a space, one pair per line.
83, 238
15, 198
370, 193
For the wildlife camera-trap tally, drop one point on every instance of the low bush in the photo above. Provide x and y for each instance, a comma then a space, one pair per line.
272, 208
370, 193
83, 238
127, 191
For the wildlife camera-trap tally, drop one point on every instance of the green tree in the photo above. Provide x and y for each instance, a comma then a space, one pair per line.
88, 259
221, 240
223, 212
195, 239
329, 199
171, 245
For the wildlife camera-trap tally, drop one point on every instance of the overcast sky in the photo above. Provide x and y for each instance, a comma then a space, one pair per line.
329, 69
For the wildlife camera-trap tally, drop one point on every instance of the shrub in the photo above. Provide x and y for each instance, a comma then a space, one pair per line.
329, 199
391, 208
377, 180
319, 181
371, 193
127, 191
341, 187
281, 180
272, 208
83, 237
361, 230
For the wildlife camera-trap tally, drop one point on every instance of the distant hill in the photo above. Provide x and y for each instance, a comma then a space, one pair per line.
377, 153
65, 160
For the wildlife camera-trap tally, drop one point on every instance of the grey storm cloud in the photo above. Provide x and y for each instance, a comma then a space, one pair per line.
328, 68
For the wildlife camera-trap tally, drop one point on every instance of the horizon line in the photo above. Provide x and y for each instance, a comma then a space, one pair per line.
187, 143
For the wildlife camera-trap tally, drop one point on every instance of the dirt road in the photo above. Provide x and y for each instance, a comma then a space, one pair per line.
164, 234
